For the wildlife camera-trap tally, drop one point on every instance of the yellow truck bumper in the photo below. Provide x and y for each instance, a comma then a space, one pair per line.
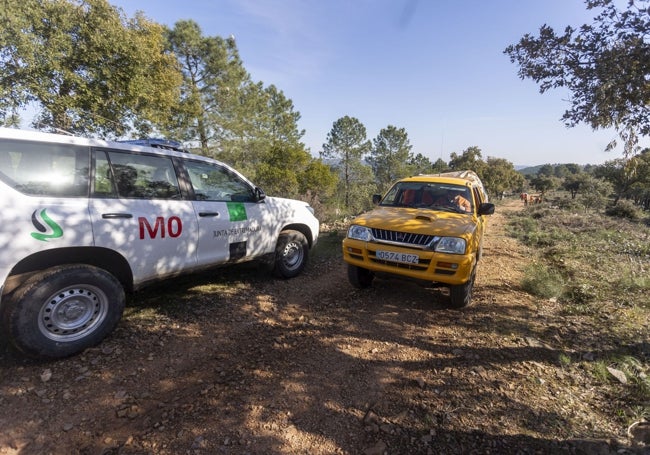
452, 269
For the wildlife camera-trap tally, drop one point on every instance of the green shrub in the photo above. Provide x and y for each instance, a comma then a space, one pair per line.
542, 281
624, 209
582, 293
570, 205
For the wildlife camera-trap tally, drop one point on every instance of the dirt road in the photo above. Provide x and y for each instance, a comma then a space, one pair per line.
235, 362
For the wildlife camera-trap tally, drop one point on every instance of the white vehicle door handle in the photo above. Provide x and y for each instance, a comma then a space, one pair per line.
208, 214
116, 215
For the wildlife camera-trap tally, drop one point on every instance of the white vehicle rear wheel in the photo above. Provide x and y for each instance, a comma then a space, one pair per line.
63, 310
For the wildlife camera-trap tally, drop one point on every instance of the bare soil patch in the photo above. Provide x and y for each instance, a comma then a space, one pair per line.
236, 362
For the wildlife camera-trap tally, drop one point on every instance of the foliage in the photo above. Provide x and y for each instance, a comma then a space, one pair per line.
632, 368
543, 183
470, 159
265, 119
440, 166
624, 209
276, 177
630, 177
576, 183
319, 179
604, 65
389, 156
89, 68
564, 170
250, 126
347, 144
499, 176
603, 261
594, 193
213, 76
420, 164
362, 189
318, 186
542, 281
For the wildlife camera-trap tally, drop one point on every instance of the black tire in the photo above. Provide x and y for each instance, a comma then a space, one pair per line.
62, 311
291, 254
359, 277
460, 296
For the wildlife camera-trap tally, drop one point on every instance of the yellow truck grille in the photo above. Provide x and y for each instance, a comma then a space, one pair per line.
405, 238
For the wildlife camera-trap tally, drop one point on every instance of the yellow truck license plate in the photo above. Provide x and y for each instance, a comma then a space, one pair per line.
397, 257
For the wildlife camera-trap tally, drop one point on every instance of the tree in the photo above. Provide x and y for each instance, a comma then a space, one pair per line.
390, 155
572, 184
604, 65
629, 177
213, 77
318, 180
546, 170
499, 176
470, 159
88, 68
543, 183
276, 177
347, 144
619, 173
594, 193
440, 166
577, 183
267, 121
639, 191
570, 168
420, 164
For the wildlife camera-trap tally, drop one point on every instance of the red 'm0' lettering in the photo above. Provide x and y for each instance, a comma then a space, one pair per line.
153, 232
174, 226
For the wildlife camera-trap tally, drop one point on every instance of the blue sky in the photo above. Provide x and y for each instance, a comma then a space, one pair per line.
433, 67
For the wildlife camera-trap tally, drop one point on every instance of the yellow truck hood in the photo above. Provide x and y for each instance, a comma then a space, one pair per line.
418, 221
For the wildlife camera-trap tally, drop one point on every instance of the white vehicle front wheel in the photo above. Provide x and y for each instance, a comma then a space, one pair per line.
291, 254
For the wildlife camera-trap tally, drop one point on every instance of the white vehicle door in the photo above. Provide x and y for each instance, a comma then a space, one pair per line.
137, 210
232, 225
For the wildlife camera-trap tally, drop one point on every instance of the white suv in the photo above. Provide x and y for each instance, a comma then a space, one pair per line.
85, 220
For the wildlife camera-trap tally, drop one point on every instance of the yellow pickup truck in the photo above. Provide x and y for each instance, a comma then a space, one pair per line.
427, 228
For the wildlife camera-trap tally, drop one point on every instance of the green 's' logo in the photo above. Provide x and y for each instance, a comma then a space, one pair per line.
42, 235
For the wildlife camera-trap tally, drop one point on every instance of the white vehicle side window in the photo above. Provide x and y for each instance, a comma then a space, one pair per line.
216, 183
45, 169
138, 176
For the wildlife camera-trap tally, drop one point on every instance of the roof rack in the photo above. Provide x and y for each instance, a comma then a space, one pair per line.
166, 144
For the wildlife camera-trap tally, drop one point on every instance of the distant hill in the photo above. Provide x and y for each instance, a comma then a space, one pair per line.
533, 170
527, 170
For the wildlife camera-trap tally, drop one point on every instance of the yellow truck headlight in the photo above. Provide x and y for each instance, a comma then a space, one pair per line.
453, 245
359, 233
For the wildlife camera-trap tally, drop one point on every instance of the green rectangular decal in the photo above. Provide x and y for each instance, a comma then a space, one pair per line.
236, 211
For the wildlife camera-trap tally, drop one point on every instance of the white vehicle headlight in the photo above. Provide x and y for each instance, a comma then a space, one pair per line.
359, 233
453, 245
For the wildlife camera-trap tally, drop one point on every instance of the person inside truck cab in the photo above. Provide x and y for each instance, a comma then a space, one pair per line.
452, 198
462, 202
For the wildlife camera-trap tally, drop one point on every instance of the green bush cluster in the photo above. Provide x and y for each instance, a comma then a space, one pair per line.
624, 209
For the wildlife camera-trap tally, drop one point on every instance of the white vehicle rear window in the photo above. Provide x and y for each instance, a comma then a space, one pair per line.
45, 169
